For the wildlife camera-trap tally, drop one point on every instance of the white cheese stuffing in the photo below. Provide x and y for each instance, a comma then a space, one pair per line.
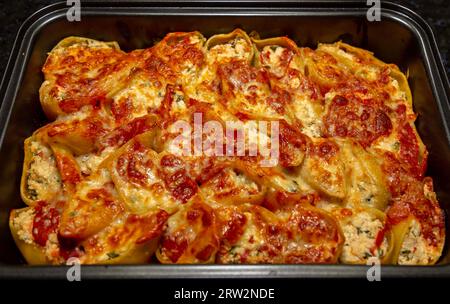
312, 123
43, 177
236, 48
23, 223
414, 250
360, 234
272, 59
52, 247
241, 180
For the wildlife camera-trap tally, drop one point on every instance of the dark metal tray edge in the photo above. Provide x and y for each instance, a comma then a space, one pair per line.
94, 272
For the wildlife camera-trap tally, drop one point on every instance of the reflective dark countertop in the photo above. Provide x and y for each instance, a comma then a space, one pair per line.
13, 13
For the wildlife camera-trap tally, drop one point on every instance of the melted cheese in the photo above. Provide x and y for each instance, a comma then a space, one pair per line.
248, 245
115, 113
140, 97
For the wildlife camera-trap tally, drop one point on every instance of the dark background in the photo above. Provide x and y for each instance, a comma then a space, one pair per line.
14, 12
436, 12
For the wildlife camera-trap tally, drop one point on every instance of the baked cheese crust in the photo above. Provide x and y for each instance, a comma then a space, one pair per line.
104, 183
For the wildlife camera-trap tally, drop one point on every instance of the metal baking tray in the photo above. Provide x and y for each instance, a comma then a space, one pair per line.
401, 37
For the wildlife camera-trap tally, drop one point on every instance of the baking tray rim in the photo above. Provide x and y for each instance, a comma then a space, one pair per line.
19, 57
282, 271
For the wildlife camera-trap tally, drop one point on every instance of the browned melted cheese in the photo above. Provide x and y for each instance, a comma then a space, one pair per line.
104, 183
